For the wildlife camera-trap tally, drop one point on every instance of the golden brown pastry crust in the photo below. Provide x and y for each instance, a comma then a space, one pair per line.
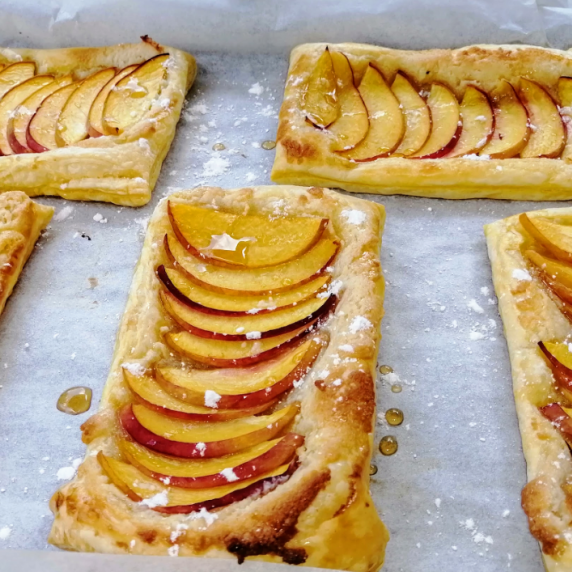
324, 515
530, 315
303, 157
118, 169
21, 221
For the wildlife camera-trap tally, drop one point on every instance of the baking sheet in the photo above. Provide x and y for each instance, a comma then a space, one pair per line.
451, 494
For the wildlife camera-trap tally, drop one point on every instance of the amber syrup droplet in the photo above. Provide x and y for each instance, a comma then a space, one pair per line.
219, 147
372, 469
385, 369
388, 445
75, 400
394, 416
268, 145
396, 388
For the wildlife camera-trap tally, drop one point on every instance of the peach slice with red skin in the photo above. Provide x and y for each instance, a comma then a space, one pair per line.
71, 127
512, 128
223, 353
200, 440
253, 281
478, 123
134, 95
204, 300
319, 101
138, 486
547, 138
18, 123
151, 462
352, 123
562, 374
249, 241
152, 395
555, 413
555, 237
246, 387
416, 115
446, 125
14, 74
281, 452
386, 126
554, 270
250, 326
41, 134
12, 100
95, 118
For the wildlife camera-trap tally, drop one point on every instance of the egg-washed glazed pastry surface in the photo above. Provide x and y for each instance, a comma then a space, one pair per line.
21, 221
314, 509
482, 121
531, 273
90, 123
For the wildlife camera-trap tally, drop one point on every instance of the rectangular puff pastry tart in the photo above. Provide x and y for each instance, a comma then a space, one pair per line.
237, 420
21, 221
480, 121
531, 257
90, 123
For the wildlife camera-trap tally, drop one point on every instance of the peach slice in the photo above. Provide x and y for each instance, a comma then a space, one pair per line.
244, 387
134, 95
319, 100
253, 281
352, 123
386, 126
222, 353
41, 134
95, 118
14, 74
151, 462
72, 124
478, 123
554, 270
512, 129
245, 327
273, 454
556, 238
197, 440
138, 486
250, 241
416, 115
152, 395
565, 96
558, 416
547, 138
20, 119
446, 124
204, 300
559, 359
12, 100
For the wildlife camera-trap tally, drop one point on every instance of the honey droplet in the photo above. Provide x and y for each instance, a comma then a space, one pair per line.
268, 145
394, 416
372, 469
219, 147
388, 445
75, 400
396, 388
385, 369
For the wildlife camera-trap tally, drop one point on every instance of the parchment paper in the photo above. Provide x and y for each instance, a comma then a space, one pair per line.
451, 494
